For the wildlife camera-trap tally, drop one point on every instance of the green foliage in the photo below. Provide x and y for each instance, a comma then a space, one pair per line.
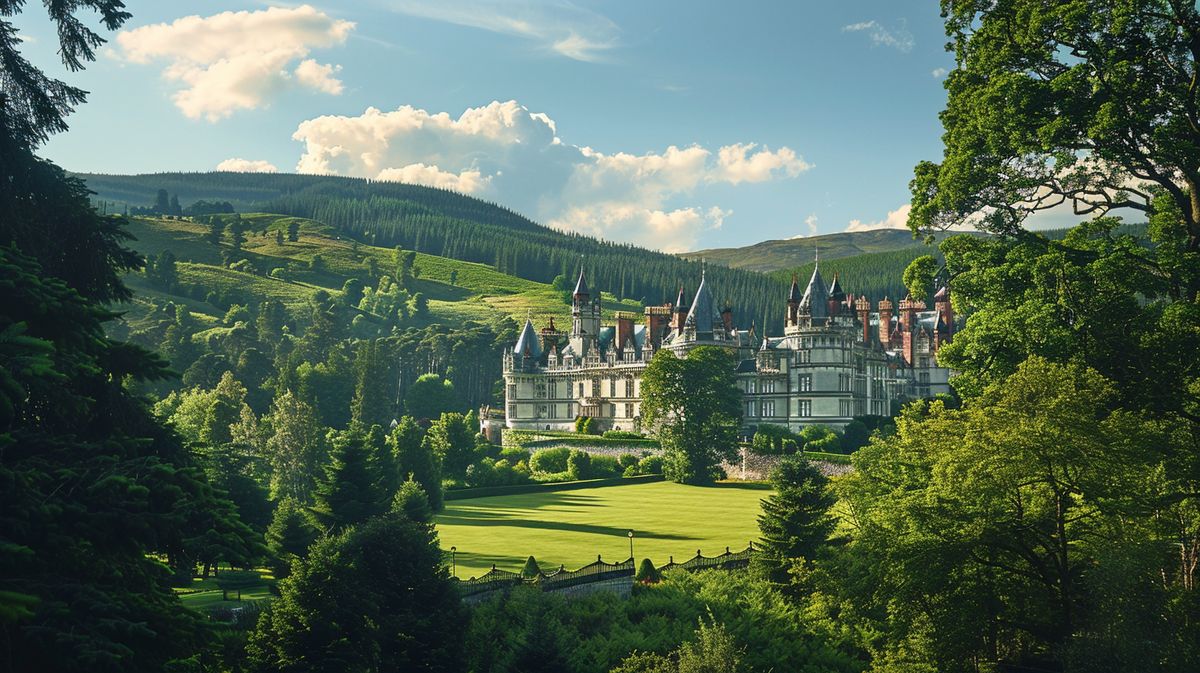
796, 522
531, 568
549, 461
430, 397
412, 502
349, 491
695, 410
579, 465
622, 434
647, 573
295, 448
918, 277
290, 535
452, 439
415, 459
375, 597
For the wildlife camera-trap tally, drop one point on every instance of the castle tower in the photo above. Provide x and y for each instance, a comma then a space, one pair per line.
585, 317
814, 305
836, 296
681, 311
941, 302
793, 304
885, 322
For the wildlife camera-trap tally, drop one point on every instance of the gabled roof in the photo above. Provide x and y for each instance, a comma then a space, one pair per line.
528, 344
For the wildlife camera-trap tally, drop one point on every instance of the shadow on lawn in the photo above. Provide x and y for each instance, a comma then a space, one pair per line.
499, 519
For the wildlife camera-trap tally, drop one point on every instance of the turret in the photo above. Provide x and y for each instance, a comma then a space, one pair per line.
681, 311
793, 304
727, 318
585, 317
941, 302
836, 296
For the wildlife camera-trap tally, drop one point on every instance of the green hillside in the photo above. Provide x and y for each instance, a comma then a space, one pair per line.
457, 291
795, 252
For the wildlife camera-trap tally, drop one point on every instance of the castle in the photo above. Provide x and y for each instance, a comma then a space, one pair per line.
836, 359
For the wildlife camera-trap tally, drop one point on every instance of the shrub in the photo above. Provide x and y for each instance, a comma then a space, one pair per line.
550, 460
650, 465
646, 572
579, 465
581, 424
622, 434
515, 454
603, 467
531, 568
631, 471
627, 460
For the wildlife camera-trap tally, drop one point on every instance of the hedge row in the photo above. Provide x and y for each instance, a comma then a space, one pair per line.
486, 491
576, 441
839, 458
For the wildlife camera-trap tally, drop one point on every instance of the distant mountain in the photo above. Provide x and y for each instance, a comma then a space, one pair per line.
790, 253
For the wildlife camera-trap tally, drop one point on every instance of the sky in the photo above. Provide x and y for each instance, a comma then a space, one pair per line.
673, 124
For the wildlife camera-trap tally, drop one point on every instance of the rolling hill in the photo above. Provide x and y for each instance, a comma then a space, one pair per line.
775, 255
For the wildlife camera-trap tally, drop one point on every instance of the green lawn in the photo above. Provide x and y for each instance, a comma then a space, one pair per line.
572, 527
205, 594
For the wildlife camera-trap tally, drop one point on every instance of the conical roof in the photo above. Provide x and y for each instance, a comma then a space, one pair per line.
581, 286
794, 291
528, 344
942, 294
704, 315
835, 290
681, 301
815, 302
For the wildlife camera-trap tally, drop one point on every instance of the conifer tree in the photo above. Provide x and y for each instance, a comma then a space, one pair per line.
289, 536
795, 521
415, 460
349, 491
412, 502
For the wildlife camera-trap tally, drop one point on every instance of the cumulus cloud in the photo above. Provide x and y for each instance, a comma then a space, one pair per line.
505, 151
881, 36
559, 28
939, 73
239, 165
896, 219
239, 60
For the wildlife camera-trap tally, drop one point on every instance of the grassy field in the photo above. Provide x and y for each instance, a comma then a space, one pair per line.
572, 527
205, 594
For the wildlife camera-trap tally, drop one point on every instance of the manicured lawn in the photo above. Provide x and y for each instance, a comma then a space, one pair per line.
572, 527
205, 593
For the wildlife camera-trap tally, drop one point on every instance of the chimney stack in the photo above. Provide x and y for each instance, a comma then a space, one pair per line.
727, 319
624, 330
863, 307
885, 322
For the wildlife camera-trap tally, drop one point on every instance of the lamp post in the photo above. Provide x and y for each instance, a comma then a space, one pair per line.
454, 561
631, 546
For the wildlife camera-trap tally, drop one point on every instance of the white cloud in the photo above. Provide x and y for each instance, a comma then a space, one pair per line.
898, 37
555, 27
239, 60
239, 165
896, 219
506, 152
939, 73
811, 223
467, 181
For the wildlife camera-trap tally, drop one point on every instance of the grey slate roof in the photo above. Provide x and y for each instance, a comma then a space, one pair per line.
704, 314
581, 287
528, 344
816, 297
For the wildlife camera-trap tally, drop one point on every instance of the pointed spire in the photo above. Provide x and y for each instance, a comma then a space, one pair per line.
794, 292
528, 344
581, 287
681, 301
835, 290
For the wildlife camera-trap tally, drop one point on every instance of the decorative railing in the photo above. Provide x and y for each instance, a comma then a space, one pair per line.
597, 571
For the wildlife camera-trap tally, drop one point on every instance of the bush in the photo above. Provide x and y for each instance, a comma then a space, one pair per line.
631, 471
650, 465
515, 454
531, 568
627, 460
622, 434
550, 460
579, 465
646, 573
603, 467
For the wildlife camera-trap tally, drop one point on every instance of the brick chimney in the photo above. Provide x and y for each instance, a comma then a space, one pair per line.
863, 307
657, 318
624, 329
941, 302
885, 322
727, 319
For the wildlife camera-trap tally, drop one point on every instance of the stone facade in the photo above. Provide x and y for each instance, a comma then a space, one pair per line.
837, 359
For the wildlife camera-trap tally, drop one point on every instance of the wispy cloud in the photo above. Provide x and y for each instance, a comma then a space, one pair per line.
239, 165
557, 27
939, 73
897, 37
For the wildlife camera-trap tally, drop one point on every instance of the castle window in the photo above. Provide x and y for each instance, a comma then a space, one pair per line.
596, 387
629, 390
629, 410
511, 391
612, 387
581, 388
768, 386
768, 408
805, 408
845, 407
805, 383
750, 410
750, 386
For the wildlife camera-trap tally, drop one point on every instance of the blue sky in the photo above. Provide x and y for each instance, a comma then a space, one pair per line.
674, 124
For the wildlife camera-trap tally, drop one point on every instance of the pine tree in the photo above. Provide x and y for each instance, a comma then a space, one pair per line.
412, 502
415, 460
289, 536
795, 523
349, 492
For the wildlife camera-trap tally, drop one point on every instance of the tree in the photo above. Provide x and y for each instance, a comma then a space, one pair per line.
452, 440
412, 502
415, 459
695, 410
376, 597
352, 292
290, 535
162, 203
295, 448
348, 493
1089, 103
531, 568
992, 531
293, 231
235, 231
430, 396
795, 522
918, 277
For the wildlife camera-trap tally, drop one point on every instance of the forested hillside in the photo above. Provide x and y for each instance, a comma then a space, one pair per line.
786, 254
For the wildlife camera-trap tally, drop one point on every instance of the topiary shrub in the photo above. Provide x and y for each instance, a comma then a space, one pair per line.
627, 460
515, 454
622, 434
531, 568
604, 467
650, 465
646, 573
579, 465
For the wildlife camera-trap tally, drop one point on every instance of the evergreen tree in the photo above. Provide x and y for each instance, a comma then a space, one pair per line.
452, 440
383, 463
349, 491
376, 597
531, 568
289, 536
795, 522
293, 231
173, 207
412, 502
415, 460
162, 203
